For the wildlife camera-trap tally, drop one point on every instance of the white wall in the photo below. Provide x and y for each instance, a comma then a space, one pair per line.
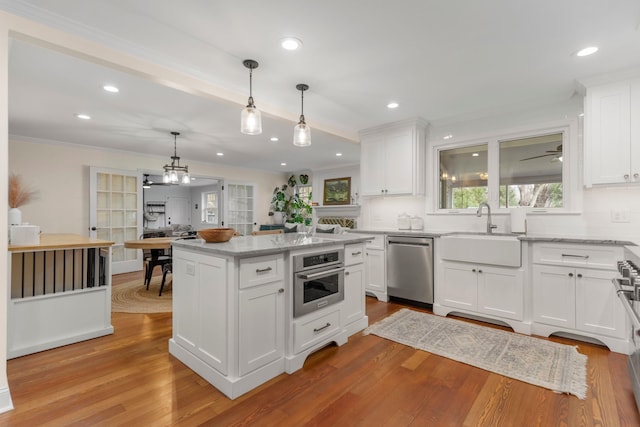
60, 174
591, 216
341, 172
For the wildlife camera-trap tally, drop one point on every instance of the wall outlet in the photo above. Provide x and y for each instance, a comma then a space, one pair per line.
619, 216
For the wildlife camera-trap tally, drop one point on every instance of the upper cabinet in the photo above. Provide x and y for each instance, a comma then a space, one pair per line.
392, 159
612, 133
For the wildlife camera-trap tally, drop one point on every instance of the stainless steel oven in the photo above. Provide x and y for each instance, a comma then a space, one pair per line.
627, 285
318, 281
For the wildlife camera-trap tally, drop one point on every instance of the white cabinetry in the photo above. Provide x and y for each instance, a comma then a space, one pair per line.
392, 159
491, 291
376, 268
354, 317
210, 300
572, 292
612, 133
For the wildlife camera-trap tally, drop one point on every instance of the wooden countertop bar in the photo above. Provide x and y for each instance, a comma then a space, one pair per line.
62, 241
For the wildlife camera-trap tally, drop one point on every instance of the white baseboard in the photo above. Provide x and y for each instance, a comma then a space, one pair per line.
6, 404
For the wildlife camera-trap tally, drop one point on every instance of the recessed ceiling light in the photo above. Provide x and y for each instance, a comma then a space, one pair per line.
219, 154
83, 116
587, 51
274, 139
475, 155
338, 154
392, 105
449, 136
283, 164
290, 43
111, 88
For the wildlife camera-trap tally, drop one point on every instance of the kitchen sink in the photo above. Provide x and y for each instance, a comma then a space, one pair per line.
482, 248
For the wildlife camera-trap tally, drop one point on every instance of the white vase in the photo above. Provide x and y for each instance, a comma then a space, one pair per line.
278, 218
15, 216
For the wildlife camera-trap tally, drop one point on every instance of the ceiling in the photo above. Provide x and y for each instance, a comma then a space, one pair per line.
442, 61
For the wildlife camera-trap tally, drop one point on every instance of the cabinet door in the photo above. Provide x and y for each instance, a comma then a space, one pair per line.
459, 287
598, 308
501, 292
554, 296
399, 160
608, 134
372, 163
354, 305
260, 326
376, 274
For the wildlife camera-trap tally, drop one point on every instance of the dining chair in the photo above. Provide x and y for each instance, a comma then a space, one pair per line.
258, 233
153, 258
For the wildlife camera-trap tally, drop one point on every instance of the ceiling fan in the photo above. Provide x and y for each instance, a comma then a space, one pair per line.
557, 153
147, 183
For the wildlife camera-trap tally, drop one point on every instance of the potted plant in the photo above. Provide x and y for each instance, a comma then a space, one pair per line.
280, 203
288, 206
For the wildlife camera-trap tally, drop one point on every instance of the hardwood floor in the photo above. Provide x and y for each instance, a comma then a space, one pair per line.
129, 378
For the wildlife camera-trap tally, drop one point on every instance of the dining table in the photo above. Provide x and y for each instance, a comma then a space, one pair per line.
153, 243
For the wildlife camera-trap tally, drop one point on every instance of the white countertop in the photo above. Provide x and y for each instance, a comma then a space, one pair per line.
585, 240
266, 244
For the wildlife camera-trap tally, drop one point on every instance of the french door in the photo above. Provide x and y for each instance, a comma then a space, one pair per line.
115, 214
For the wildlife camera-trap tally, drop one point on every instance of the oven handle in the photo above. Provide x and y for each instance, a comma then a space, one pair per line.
622, 294
323, 273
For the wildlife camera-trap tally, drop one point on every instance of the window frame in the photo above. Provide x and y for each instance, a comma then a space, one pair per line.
571, 177
203, 197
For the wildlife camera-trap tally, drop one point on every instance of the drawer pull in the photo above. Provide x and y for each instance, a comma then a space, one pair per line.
316, 330
263, 270
356, 253
575, 256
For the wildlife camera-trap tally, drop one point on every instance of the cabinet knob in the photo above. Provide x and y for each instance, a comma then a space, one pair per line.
635, 175
473, 270
626, 176
579, 275
570, 274
281, 291
346, 273
479, 271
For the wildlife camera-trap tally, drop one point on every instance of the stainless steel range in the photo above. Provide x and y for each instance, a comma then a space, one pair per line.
628, 289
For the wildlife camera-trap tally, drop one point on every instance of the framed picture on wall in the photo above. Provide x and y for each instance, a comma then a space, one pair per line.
337, 191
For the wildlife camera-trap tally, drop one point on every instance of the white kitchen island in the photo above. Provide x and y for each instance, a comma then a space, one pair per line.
233, 320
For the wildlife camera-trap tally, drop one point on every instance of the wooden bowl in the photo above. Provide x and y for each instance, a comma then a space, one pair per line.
216, 235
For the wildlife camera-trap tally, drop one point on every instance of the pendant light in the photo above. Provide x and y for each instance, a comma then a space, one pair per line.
170, 175
250, 120
302, 132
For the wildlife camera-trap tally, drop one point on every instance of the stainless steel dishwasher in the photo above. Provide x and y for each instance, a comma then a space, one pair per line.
410, 268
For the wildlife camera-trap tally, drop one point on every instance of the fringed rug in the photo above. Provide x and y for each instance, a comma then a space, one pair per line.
558, 367
133, 297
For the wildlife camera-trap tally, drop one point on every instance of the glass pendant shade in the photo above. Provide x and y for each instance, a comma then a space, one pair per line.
173, 177
251, 120
165, 177
302, 135
186, 179
302, 132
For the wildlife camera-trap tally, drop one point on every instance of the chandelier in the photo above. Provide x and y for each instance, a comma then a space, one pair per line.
171, 171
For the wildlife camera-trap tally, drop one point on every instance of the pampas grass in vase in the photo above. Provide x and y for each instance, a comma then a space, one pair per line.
19, 195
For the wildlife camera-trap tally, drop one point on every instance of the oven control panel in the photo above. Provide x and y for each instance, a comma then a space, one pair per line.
321, 259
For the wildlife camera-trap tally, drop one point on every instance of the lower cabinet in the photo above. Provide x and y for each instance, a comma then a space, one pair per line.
485, 289
260, 326
211, 303
572, 293
578, 299
376, 268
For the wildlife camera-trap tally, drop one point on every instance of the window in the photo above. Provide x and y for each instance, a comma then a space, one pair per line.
531, 170
463, 177
210, 207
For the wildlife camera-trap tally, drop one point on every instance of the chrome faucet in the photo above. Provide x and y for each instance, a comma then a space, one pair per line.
490, 226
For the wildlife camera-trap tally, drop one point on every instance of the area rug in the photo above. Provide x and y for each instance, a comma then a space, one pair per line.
133, 297
558, 367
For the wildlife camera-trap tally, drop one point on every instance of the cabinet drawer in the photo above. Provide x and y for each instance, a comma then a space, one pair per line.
354, 254
308, 332
260, 270
594, 256
377, 242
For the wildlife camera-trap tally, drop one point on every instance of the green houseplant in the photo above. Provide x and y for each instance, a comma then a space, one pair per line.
285, 201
